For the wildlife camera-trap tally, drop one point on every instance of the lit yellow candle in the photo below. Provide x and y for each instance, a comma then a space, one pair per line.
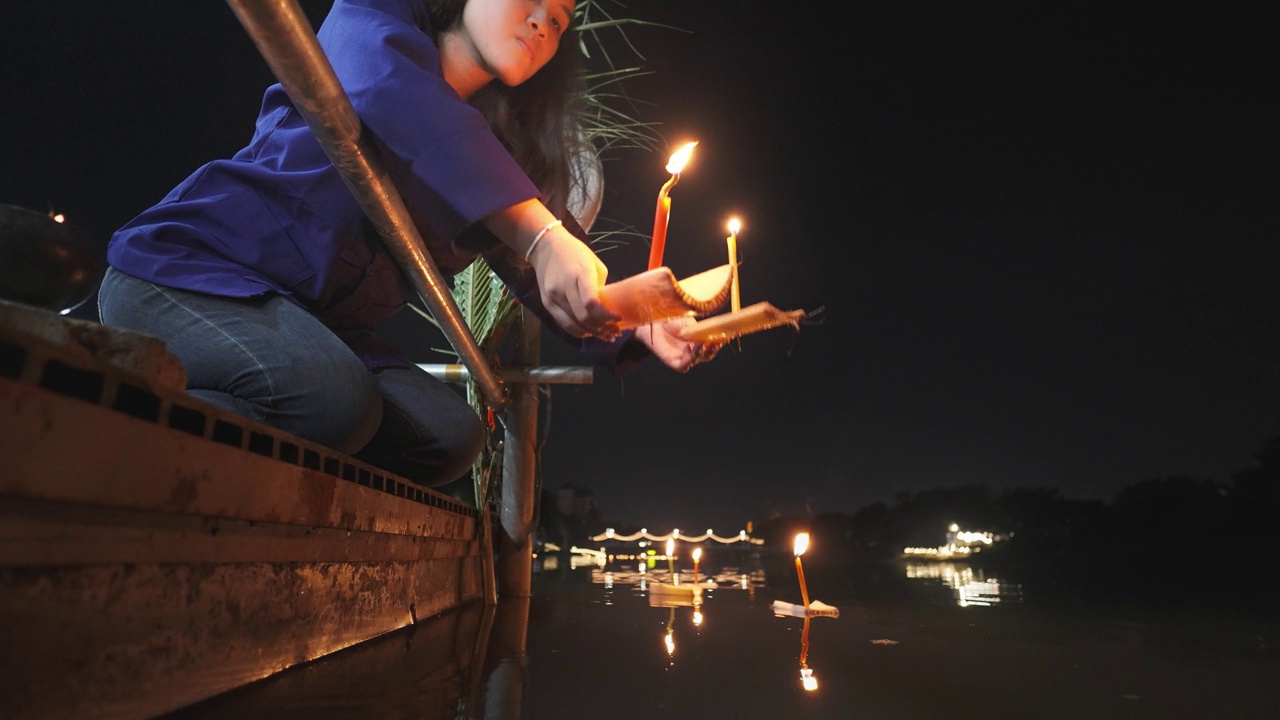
802, 544
662, 213
671, 548
732, 241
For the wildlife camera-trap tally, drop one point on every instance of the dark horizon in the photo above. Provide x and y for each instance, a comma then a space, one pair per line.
1039, 244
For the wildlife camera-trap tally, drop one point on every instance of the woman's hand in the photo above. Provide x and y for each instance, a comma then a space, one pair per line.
664, 340
570, 276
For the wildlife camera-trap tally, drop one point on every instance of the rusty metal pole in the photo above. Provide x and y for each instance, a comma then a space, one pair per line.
543, 375
519, 470
506, 666
284, 36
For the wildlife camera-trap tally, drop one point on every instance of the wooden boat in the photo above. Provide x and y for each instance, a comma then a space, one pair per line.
157, 550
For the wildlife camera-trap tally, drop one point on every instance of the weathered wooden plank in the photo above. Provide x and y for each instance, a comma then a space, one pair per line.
141, 358
43, 532
121, 640
56, 447
156, 551
433, 670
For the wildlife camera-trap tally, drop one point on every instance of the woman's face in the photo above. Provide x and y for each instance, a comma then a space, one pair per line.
512, 39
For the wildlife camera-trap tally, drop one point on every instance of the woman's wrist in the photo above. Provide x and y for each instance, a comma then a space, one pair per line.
519, 225
528, 253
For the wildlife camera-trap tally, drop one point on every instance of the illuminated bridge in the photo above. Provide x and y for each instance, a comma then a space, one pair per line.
644, 537
614, 545
653, 547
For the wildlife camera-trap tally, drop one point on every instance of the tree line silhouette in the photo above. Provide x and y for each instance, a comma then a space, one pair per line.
1154, 522
1217, 532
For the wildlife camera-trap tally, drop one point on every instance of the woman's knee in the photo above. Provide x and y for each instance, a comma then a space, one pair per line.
466, 437
458, 449
331, 400
265, 358
429, 433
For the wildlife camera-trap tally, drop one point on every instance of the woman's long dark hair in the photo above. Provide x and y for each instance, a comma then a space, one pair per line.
539, 121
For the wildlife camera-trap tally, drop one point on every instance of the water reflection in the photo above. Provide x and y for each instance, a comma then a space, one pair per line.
808, 680
669, 640
642, 576
969, 587
671, 602
597, 643
464, 664
579, 558
691, 598
665, 588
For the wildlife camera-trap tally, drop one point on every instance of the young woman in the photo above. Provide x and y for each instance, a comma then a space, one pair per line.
264, 277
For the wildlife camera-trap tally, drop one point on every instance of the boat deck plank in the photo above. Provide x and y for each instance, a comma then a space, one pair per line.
156, 551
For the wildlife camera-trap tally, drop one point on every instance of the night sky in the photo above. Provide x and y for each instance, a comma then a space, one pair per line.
1037, 245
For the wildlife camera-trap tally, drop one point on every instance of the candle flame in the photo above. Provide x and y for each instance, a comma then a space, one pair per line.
676, 164
671, 547
697, 554
802, 543
59, 217
734, 226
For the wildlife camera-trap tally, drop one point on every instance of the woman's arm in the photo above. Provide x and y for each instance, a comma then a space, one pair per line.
441, 153
569, 274
450, 166
619, 354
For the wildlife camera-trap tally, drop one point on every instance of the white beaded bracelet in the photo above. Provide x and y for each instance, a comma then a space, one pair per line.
536, 238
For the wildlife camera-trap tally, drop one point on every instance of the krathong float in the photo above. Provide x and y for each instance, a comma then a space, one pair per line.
657, 295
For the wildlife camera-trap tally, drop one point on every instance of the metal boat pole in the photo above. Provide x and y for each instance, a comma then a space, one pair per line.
519, 470
284, 36
541, 375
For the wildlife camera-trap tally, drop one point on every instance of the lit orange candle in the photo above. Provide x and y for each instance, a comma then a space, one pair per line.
732, 240
802, 544
697, 555
675, 166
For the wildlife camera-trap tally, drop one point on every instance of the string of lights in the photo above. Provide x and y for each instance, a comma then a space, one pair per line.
644, 534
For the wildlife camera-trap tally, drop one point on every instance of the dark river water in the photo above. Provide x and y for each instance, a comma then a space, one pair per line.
901, 640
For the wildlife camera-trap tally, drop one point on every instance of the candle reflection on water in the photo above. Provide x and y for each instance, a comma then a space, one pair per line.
807, 679
638, 575
669, 640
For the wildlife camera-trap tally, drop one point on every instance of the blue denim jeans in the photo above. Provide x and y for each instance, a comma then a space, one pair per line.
270, 360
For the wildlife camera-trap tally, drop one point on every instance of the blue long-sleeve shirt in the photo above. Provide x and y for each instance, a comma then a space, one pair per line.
277, 216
